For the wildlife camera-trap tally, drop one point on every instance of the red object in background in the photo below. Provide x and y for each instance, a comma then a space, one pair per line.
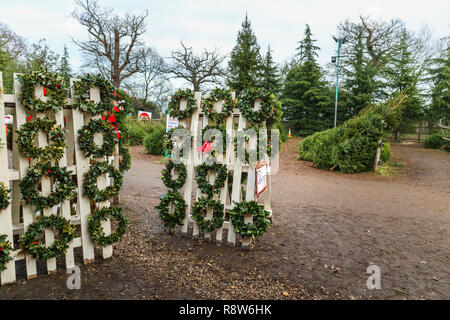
112, 118
65, 119
29, 118
57, 85
116, 109
1, 249
118, 135
45, 91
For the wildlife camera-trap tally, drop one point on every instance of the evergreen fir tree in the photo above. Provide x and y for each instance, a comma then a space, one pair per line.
245, 65
307, 106
270, 75
440, 94
64, 68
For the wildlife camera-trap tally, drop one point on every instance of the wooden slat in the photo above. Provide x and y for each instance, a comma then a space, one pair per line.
9, 275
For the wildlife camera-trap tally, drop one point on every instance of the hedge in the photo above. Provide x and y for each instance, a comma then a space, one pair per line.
154, 142
437, 141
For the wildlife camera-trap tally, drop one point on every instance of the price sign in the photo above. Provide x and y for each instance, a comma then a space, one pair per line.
261, 178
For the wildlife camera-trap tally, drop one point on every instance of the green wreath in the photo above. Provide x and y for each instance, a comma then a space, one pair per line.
63, 187
171, 220
32, 242
80, 91
260, 219
168, 143
6, 250
174, 104
86, 138
55, 133
52, 84
166, 175
247, 101
125, 158
96, 230
199, 212
4, 196
202, 183
90, 182
214, 96
222, 129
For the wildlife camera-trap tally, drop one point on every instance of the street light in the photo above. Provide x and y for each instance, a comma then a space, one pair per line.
333, 59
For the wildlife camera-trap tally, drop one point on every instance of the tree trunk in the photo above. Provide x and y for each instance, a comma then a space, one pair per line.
115, 77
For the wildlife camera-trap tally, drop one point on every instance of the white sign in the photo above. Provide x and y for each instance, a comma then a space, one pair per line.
171, 123
9, 119
261, 178
144, 115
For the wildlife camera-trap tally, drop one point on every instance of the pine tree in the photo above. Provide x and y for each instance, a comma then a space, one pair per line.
402, 78
359, 83
440, 94
245, 65
64, 68
307, 106
270, 74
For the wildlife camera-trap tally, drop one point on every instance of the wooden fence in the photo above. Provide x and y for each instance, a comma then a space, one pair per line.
13, 167
194, 125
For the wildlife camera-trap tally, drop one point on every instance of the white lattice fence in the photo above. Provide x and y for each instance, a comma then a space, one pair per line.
14, 165
194, 124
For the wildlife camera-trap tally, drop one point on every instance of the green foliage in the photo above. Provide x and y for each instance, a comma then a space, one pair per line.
437, 141
96, 230
271, 79
166, 175
440, 105
350, 147
174, 104
4, 196
245, 63
86, 139
32, 243
6, 251
199, 210
215, 95
137, 130
260, 217
171, 220
385, 152
307, 107
81, 95
90, 187
201, 177
154, 142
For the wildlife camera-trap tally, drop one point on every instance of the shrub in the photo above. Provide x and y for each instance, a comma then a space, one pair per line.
385, 152
138, 130
436, 141
154, 142
350, 147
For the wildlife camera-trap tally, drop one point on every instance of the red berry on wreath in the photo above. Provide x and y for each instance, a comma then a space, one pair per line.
36, 243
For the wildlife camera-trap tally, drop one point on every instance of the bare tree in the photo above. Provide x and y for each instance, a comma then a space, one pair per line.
114, 44
152, 75
14, 44
197, 69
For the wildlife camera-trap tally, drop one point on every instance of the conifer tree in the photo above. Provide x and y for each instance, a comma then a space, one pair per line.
270, 74
64, 68
307, 106
440, 94
245, 65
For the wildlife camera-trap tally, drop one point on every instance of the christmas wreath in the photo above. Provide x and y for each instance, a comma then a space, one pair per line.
32, 242
55, 133
199, 213
125, 158
4, 196
170, 220
96, 230
63, 186
86, 138
80, 92
247, 101
214, 96
203, 184
52, 88
6, 251
260, 219
212, 138
174, 104
169, 143
166, 175
90, 182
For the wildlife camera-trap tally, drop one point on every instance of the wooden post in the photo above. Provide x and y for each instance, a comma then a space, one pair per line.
6, 226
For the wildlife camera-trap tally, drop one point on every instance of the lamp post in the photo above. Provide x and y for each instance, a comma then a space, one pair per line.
340, 42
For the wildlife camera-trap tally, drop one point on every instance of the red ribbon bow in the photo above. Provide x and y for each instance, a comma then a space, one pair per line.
206, 147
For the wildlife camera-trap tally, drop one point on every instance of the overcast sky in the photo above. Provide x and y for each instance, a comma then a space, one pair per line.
214, 24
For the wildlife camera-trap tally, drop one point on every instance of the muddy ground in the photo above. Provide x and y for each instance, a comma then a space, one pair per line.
328, 228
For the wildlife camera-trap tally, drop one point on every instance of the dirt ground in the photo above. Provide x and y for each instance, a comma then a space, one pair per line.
328, 228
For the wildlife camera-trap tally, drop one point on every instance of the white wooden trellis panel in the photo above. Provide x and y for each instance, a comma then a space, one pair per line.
233, 165
10, 223
6, 227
